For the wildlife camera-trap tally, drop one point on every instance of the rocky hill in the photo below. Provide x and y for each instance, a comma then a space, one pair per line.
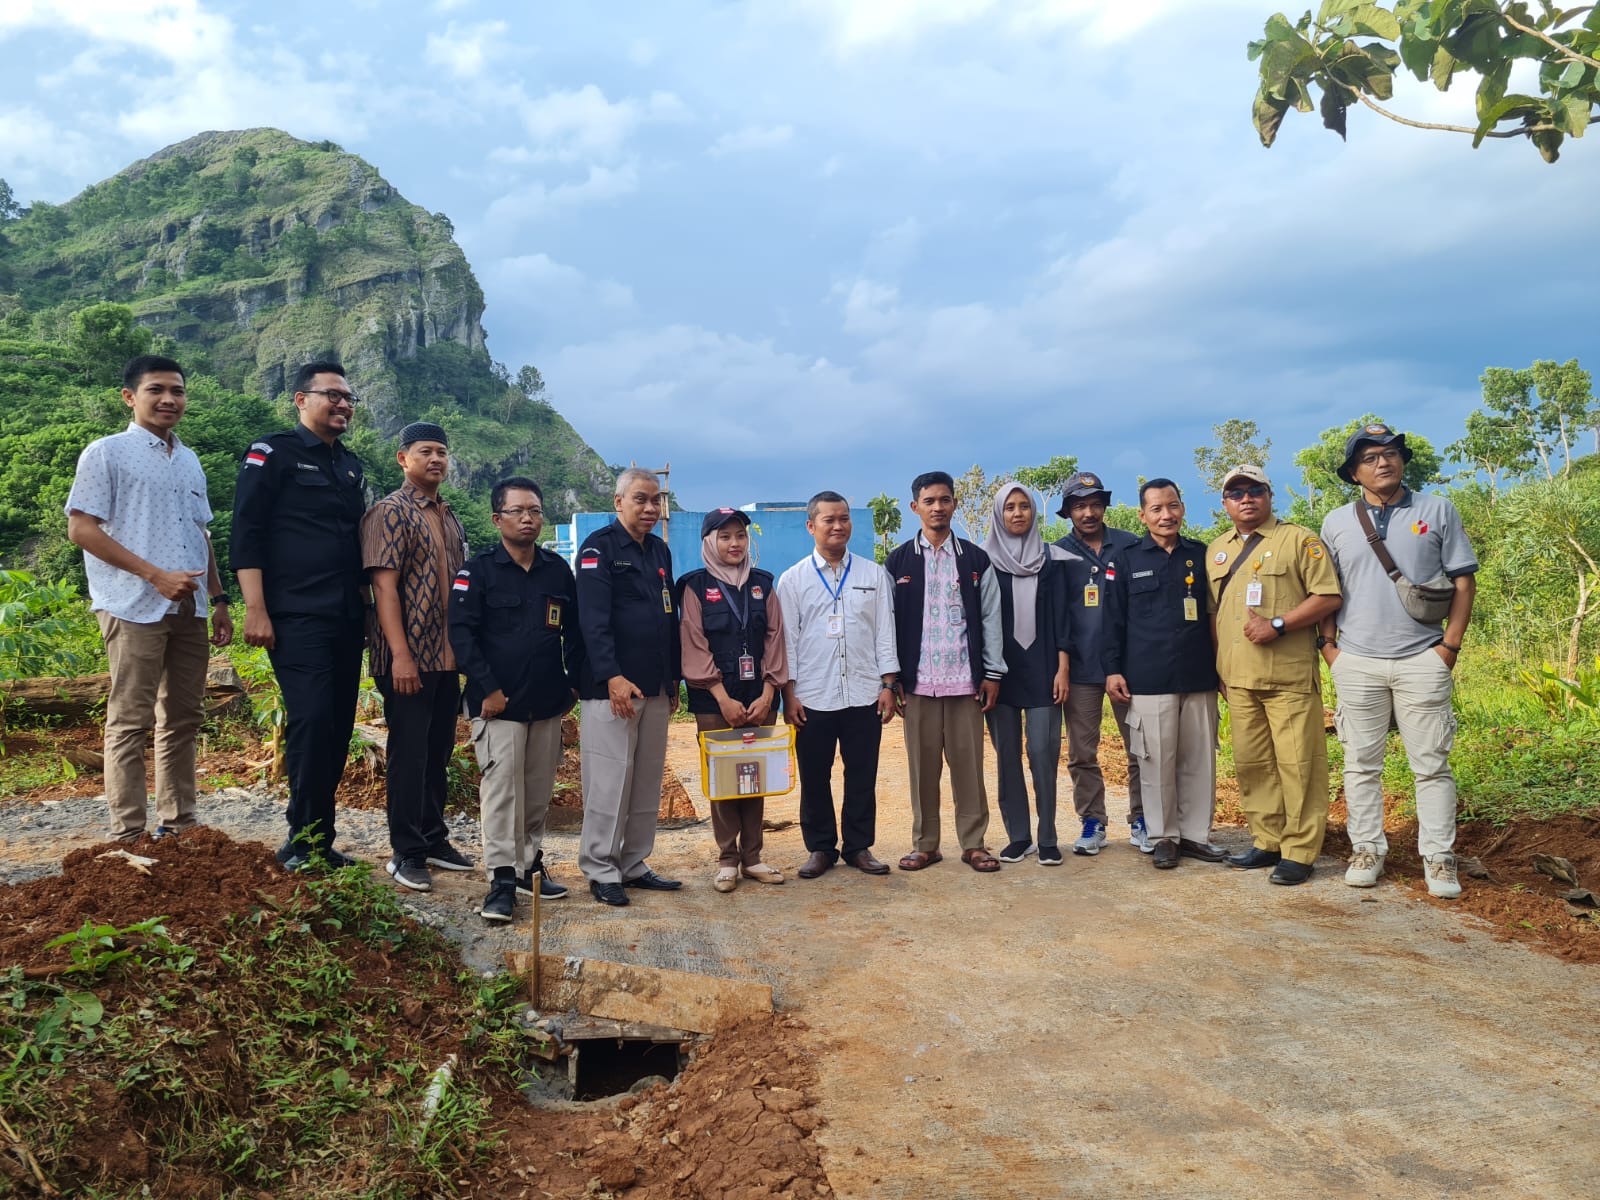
253, 252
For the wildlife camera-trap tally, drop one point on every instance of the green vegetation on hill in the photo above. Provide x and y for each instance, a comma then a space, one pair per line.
247, 253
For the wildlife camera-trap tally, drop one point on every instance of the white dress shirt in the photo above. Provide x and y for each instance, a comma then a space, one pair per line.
152, 503
831, 673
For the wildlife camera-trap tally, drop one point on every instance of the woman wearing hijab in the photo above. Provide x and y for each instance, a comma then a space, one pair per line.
1033, 613
735, 663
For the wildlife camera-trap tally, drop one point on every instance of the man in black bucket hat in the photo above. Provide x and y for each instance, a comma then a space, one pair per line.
1407, 573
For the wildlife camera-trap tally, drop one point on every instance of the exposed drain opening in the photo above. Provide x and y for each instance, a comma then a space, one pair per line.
610, 1066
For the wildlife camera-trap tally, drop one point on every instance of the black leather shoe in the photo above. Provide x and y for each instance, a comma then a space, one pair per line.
862, 860
819, 864
1165, 855
651, 882
1254, 858
1204, 851
1288, 872
609, 893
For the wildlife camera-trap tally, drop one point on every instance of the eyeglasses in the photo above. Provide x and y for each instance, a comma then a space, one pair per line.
335, 396
519, 512
1387, 454
1254, 491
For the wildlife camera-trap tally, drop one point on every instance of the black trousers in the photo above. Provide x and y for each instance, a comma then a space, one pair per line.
318, 664
422, 735
857, 733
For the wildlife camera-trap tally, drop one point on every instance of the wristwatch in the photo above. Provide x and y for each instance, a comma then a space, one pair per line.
220, 601
1323, 642
1277, 625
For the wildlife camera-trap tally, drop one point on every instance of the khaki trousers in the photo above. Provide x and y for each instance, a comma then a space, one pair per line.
1417, 692
1174, 737
517, 761
158, 681
1280, 758
623, 758
950, 727
736, 824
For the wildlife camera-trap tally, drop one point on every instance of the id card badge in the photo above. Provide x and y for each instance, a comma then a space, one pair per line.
1091, 596
747, 667
1252, 595
835, 624
666, 601
1191, 609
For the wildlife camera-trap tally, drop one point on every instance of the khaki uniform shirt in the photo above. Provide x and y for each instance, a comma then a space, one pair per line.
1290, 563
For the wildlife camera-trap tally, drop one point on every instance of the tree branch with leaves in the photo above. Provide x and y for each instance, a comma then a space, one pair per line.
1318, 63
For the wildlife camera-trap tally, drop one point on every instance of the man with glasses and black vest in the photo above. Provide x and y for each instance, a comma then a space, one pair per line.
1408, 575
296, 548
1271, 581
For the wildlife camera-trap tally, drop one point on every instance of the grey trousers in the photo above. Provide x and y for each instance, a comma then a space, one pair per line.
518, 761
1175, 739
623, 758
1043, 726
1085, 703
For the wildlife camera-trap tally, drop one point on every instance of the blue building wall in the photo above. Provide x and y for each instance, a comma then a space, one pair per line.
778, 537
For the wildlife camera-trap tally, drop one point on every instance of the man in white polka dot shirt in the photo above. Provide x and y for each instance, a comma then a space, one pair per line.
138, 509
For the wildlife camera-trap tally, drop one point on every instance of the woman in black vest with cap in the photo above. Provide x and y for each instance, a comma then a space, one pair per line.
735, 664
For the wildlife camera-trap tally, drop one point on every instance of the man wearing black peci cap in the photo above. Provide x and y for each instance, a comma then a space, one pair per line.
296, 548
1092, 548
1391, 660
413, 545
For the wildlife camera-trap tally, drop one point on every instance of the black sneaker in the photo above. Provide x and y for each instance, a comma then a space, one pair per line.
549, 889
501, 902
1016, 851
413, 875
448, 858
1050, 856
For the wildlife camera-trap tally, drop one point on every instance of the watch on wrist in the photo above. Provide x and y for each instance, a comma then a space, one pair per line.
222, 601
1323, 642
1277, 625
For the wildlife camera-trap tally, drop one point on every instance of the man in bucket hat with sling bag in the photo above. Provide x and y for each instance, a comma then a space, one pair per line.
1407, 572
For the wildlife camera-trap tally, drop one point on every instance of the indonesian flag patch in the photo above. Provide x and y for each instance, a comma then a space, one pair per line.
463, 583
1111, 572
589, 561
256, 456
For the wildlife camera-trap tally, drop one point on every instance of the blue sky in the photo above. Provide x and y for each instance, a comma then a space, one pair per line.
795, 244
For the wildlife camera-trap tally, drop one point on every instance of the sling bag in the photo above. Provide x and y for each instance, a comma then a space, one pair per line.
1427, 603
1250, 544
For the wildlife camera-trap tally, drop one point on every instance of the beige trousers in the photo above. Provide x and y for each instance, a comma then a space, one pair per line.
1175, 739
517, 761
158, 681
623, 758
1280, 758
951, 728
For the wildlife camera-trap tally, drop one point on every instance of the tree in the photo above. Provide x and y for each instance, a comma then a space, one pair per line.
10, 210
104, 338
974, 494
1049, 479
1552, 526
885, 523
1434, 41
1234, 442
1533, 413
1319, 470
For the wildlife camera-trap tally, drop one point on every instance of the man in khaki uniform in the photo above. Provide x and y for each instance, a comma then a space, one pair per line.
1271, 583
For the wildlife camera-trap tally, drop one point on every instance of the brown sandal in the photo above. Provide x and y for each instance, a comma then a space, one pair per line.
918, 859
980, 860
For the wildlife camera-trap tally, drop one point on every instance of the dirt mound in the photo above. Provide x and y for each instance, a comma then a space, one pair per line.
737, 1123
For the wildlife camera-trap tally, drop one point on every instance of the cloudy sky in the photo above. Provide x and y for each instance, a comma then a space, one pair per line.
794, 244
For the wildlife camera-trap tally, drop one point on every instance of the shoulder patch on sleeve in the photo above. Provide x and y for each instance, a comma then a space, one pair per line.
1313, 547
463, 581
589, 559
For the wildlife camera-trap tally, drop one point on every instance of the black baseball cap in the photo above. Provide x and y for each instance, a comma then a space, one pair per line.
1080, 486
1376, 434
718, 517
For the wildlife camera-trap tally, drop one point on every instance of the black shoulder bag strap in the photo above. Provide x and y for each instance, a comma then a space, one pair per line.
1376, 542
1250, 544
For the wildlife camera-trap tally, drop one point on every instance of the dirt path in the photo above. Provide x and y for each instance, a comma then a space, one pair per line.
1096, 1029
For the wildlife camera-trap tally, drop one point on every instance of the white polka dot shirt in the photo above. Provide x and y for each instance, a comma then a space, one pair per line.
151, 503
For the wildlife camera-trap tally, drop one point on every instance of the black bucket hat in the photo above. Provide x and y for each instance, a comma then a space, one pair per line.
1371, 435
1079, 487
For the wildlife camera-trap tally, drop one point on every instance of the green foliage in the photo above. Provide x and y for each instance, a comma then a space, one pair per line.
1532, 416
104, 338
1233, 442
1318, 63
885, 523
1319, 465
45, 629
1048, 479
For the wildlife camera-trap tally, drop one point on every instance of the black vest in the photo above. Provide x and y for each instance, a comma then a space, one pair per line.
727, 638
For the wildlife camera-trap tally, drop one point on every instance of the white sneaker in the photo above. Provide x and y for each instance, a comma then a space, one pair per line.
1139, 837
1441, 873
1366, 864
1094, 836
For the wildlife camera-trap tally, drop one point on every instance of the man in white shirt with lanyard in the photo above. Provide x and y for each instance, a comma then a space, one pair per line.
138, 509
838, 620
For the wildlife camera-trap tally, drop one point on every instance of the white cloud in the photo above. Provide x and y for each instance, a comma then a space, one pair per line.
181, 31
33, 146
466, 51
751, 137
539, 283
601, 183
582, 124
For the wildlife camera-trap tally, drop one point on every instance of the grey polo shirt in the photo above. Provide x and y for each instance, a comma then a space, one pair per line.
1423, 535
